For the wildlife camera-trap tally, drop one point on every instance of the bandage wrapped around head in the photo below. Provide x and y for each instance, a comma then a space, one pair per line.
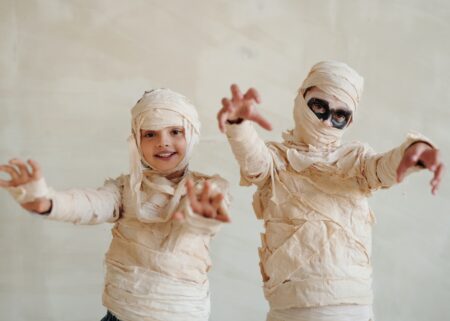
156, 110
334, 78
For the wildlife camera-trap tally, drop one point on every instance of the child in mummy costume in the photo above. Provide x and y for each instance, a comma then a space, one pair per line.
312, 191
164, 215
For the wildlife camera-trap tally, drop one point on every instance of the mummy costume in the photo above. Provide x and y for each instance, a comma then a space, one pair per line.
156, 267
315, 254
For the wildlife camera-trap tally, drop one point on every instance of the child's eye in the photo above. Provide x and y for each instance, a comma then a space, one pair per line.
318, 109
149, 134
339, 118
176, 131
318, 106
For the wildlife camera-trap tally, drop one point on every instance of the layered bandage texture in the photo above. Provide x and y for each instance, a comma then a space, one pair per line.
312, 195
156, 267
336, 79
156, 110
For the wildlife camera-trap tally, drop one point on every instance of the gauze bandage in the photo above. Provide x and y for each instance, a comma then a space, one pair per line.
312, 195
334, 78
156, 110
30, 192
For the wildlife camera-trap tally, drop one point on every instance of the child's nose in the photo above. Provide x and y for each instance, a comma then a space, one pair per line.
328, 122
163, 140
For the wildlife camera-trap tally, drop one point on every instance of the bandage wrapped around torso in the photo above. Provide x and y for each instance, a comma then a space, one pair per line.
312, 195
316, 249
154, 271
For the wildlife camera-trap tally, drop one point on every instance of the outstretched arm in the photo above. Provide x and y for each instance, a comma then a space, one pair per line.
386, 169
80, 206
235, 119
27, 185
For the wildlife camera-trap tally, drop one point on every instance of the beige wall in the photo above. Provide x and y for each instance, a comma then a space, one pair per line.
71, 70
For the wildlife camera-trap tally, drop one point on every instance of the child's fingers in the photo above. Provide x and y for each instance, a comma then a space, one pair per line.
191, 193
11, 171
4, 183
35, 169
261, 121
437, 178
226, 105
23, 169
194, 203
236, 92
416, 152
430, 159
407, 162
222, 117
223, 218
216, 201
252, 93
208, 211
204, 196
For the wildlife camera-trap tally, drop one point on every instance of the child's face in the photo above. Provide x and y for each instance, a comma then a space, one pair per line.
328, 108
163, 149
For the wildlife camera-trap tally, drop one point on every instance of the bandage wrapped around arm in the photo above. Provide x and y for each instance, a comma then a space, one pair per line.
31, 191
88, 206
251, 152
380, 170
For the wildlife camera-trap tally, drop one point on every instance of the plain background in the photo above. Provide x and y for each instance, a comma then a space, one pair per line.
71, 70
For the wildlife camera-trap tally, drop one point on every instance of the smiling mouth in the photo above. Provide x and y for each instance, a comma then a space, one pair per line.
165, 155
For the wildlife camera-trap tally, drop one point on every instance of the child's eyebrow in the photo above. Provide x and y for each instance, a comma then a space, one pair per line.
318, 101
343, 108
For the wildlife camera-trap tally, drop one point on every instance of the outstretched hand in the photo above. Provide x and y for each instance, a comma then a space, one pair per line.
423, 155
204, 204
240, 107
21, 174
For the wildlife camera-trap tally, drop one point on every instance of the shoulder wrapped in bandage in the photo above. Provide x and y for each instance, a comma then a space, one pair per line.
30, 192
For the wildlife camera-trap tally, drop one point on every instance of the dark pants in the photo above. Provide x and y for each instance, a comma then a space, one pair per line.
109, 317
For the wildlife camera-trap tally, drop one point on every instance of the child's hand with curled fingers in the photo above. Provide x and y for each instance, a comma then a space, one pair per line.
423, 155
240, 107
205, 203
21, 175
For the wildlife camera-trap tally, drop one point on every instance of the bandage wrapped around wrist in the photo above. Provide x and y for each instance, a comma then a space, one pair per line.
31, 191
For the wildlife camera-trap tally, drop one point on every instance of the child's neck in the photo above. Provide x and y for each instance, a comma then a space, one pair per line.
176, 176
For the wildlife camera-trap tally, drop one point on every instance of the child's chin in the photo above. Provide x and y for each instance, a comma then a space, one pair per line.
166, 168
